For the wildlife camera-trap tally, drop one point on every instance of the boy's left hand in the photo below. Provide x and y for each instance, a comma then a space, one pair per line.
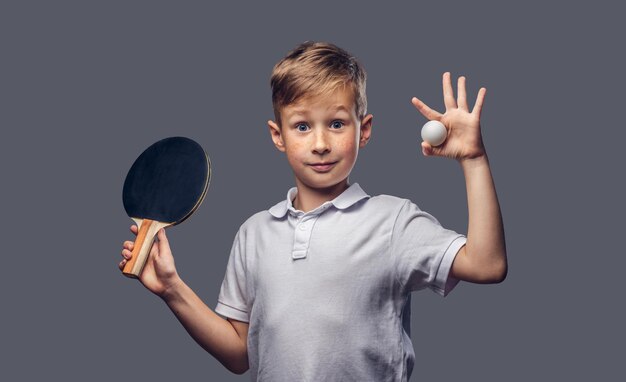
464, 139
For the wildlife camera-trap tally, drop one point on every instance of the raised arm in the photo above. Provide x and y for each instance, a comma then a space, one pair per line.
483, 258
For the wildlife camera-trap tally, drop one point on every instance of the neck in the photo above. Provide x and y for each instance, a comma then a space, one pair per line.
309, 198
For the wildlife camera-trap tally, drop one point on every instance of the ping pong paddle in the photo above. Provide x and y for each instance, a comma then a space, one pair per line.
165, 185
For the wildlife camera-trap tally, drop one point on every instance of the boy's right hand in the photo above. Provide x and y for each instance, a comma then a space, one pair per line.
159, 274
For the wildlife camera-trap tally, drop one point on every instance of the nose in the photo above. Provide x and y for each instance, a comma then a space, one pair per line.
321, 144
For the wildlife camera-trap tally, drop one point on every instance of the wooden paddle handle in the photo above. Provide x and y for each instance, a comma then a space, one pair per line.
141, 251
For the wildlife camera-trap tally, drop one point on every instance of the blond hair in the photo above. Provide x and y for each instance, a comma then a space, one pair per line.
313, 69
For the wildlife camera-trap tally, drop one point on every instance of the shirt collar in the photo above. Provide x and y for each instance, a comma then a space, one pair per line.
350, 196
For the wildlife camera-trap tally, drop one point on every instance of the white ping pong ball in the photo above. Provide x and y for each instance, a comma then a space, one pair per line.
434, 132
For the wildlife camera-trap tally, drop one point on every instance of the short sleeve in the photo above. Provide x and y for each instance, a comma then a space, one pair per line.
423, 251
233, 298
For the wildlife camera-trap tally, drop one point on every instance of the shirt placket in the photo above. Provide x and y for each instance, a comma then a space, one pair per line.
304, 224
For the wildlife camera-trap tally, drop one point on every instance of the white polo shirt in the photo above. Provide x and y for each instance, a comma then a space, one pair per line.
327, 293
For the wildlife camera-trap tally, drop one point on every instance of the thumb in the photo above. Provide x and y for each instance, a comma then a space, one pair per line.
429, 150
163, 242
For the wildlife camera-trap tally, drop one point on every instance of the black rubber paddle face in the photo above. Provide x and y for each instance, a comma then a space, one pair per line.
167, 181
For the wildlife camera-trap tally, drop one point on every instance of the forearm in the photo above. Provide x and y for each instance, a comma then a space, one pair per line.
485, 235
213, 333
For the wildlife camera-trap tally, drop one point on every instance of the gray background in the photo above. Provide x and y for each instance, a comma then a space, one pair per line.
85, 87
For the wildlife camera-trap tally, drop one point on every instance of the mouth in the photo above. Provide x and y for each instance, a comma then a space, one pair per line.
322, 166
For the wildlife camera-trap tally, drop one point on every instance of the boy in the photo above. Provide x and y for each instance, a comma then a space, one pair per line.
317, 288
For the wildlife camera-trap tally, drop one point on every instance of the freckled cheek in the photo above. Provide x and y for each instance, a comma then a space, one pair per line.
295, 150
348, 148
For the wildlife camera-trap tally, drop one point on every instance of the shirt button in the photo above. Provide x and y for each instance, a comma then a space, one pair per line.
302, 227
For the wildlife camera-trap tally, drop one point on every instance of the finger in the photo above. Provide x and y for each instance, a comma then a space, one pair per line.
126, 254
462, 94
480, 98
448, 93
427, 112
121, 264
134, 229
129, 245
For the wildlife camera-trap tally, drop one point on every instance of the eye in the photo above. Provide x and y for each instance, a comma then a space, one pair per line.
301, 127
337, 124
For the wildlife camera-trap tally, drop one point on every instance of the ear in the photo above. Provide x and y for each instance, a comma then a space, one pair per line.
366, 130
277, 135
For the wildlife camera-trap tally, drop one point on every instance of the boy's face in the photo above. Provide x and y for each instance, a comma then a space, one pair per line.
322, 130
